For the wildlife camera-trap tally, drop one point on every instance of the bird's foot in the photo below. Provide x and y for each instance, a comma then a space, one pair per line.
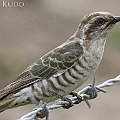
70, 103
66, 106
79, 98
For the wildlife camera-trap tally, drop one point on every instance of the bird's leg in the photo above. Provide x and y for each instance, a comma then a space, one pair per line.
66, 106
79, 98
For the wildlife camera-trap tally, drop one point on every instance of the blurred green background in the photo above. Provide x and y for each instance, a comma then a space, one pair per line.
28, 32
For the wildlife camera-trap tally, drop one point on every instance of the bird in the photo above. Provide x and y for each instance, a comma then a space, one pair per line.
63, 69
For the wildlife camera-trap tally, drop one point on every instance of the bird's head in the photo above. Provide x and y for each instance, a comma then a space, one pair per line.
96, 24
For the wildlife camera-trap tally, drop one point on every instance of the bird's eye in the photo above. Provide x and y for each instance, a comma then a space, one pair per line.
100, 21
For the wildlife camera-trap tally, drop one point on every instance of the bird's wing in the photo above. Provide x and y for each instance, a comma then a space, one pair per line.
58, 60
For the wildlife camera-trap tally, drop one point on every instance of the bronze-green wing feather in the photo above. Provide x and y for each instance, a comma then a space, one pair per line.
58, 60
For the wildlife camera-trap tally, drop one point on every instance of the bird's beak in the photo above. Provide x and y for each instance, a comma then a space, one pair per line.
116, 19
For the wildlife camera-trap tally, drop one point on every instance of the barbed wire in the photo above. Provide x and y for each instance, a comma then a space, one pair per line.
89, 92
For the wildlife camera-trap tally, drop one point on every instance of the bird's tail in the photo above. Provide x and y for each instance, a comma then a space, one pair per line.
6, 104
15, 99
5, 100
